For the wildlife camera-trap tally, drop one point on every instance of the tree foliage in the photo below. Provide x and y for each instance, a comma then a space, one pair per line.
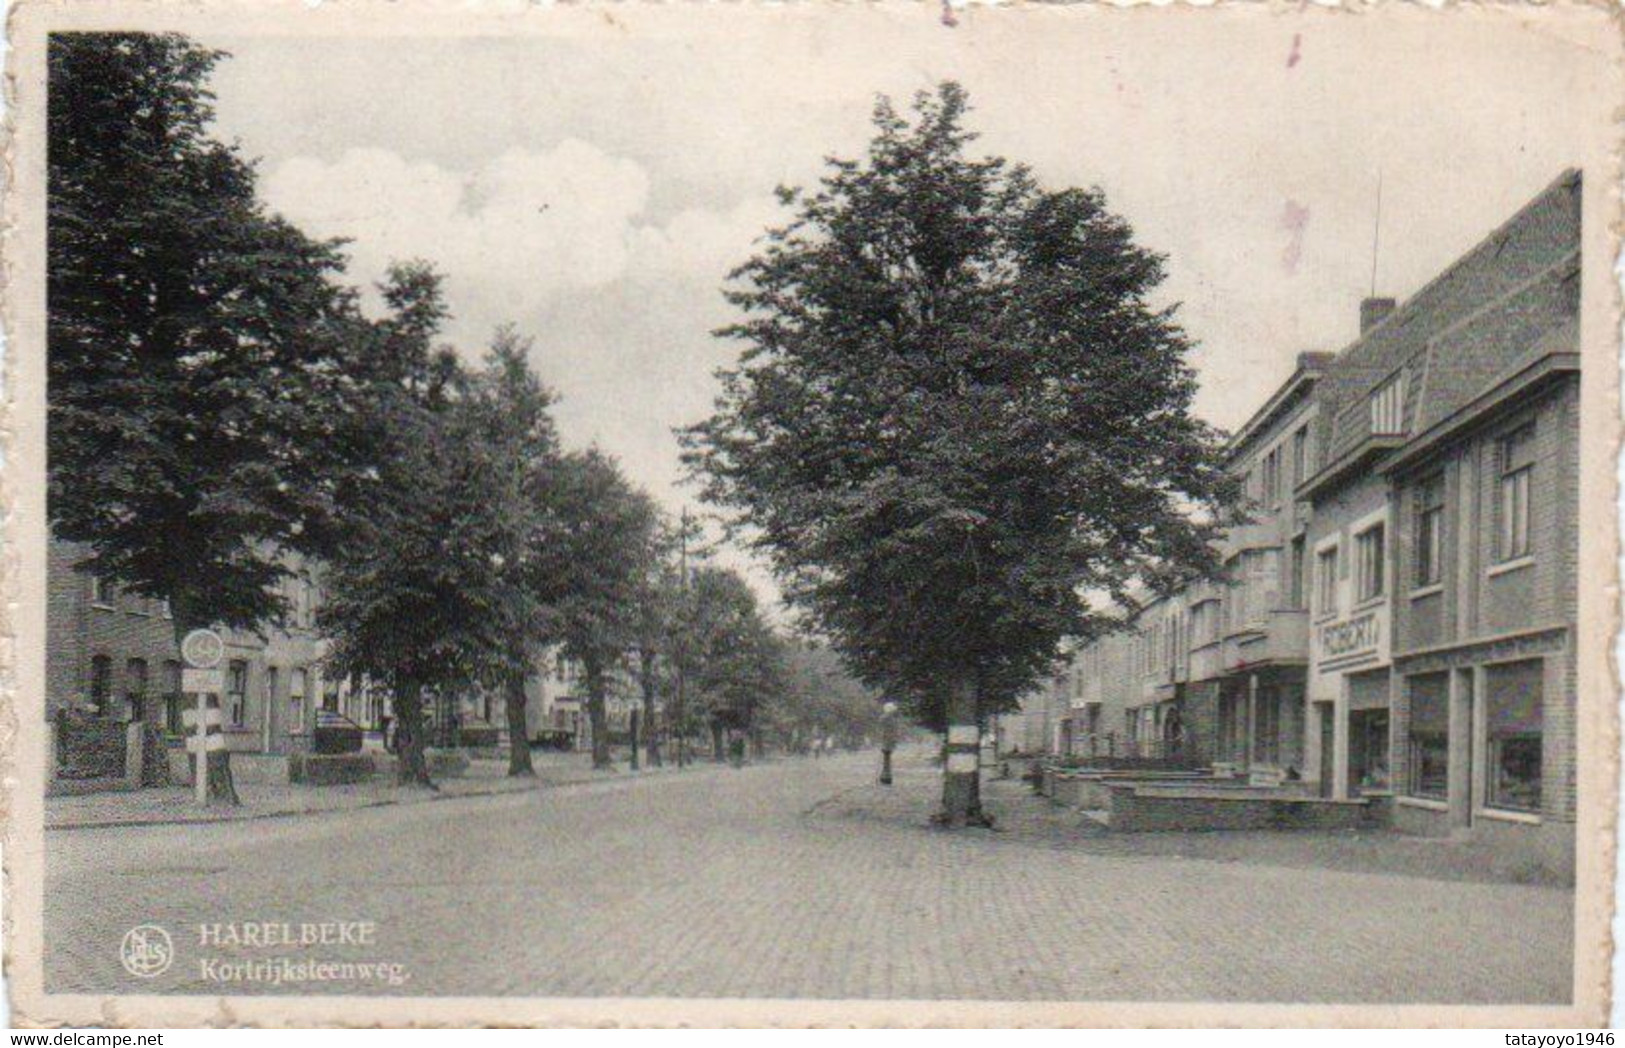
199, 349
957, 413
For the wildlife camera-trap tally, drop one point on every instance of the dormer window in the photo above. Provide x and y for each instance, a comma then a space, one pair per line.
1388, 407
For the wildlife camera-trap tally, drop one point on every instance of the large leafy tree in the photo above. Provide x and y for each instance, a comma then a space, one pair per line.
657, 604
957, 415
731, 661
198, 345
607, 530
421, 590
514, 427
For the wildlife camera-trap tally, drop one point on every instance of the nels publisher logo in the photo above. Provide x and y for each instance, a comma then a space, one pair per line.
146, 951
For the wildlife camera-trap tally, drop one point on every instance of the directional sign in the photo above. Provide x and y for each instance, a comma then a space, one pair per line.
211, 717
211, 744
203, 649
195, 680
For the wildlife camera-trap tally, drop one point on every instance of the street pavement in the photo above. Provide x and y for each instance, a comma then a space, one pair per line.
793, 878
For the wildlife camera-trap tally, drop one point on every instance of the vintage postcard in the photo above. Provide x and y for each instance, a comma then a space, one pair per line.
811, 513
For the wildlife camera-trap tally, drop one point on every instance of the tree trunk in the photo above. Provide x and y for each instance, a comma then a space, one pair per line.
646, 677
518, 741
632, 750
221, 788
596, 714
410, 733
961, 777
717, 754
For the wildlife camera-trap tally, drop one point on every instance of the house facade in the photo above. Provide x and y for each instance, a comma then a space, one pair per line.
1397, 617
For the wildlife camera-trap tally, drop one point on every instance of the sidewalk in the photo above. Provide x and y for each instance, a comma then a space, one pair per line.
1021, 817
266, 794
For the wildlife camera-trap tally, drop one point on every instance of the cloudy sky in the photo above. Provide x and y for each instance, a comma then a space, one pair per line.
594, 183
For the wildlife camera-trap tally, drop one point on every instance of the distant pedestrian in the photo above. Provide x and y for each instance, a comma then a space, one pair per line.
888, 740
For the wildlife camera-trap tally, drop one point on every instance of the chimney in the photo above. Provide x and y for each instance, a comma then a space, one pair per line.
1373, 310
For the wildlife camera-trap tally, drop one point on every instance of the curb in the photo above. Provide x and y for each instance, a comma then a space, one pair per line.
618, 775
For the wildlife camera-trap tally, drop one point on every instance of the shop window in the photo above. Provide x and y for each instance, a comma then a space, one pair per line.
237, 693
1513, 707
1370, 554
1429, 742
1430, 531
1516, 458
1368, 750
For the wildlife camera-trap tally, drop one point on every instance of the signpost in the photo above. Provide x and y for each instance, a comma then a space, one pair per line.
203, 650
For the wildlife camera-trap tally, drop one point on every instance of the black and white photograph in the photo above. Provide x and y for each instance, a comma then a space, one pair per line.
895, 514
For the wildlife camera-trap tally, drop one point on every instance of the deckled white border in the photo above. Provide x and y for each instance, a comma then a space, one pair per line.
22, 559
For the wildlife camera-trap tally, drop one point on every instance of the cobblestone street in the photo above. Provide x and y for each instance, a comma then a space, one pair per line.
797, 878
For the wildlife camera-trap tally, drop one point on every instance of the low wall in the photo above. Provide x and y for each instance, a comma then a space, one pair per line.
90, 748
330, 769
1139, 809
94, 755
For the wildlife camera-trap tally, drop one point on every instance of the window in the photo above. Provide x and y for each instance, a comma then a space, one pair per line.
1430, 736
1369, 554
1513, 708
172, 697
101, 684
1326, 581
1267, 727
270, 684
135, 687
1272, 477
1295, 586
1300, 455
1516, 455
237, 692
1430, 531
1388, 407
167, 611
101, 592
1368, 750
296, 701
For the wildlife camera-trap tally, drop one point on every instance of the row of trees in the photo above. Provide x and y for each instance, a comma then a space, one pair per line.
220, 408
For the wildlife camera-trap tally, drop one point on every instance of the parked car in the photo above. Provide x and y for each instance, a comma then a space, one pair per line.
554, 739
336, 733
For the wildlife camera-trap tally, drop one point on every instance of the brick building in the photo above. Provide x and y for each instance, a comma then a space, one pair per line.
1245, 705
1398, 620
113, 655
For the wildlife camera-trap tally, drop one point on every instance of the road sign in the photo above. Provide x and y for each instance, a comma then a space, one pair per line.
194, 680
203, 649
211, 744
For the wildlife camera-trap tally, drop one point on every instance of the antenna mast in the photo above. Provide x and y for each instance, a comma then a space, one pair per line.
1376, 234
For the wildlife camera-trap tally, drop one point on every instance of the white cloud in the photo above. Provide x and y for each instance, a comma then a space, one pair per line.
516, 232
